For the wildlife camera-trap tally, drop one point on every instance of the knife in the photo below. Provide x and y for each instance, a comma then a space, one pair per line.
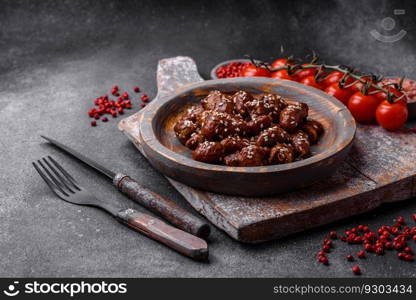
143, 196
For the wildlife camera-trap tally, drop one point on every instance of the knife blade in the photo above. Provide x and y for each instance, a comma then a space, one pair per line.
143, 196
110, 174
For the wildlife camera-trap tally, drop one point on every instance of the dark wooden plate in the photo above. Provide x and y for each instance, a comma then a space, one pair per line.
166, 154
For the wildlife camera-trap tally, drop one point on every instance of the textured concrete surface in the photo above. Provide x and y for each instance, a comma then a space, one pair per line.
57, 56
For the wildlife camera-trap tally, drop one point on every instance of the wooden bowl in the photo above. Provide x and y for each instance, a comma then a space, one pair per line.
170, 157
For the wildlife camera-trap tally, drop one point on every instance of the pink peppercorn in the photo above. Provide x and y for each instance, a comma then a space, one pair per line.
144, 98
356, 270
324, 260
361, 254
232, 69
333, 235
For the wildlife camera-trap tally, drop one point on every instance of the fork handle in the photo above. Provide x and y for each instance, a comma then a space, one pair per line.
165, 208
177, 239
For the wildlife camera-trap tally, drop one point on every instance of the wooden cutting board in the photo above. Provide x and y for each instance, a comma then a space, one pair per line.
381, 167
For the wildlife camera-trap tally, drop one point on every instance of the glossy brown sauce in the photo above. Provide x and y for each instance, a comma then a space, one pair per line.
246, 130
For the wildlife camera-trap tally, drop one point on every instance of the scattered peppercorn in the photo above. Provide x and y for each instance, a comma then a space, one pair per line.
104, 105
144, 98
409, 257
326, 248
379, 251
324, 260
361, 254
386, 237
327, 242
356, 270
400, 220
368, 248
114, 90
108, 106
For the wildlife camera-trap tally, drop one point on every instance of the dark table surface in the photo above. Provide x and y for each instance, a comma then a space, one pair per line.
57, 56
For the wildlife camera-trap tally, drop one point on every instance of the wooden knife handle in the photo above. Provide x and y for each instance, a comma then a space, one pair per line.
161, 206
179, 240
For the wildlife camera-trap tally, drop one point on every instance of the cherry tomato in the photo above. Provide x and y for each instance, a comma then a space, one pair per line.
251, 70
282, 74
381, 96
303, 73
342, 94
310, 81
280, 62
391, 116
359, 85
363, 107
335, 77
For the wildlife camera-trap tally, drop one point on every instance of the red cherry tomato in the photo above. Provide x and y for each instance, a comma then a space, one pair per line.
303, 73
381, 96
335, 77
359, 85
342, 94
391, 116
282, 74
251, 70
280, 62
310, 81
363, 107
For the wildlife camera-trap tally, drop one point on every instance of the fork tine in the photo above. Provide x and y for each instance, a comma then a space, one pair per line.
65, 173
56, 181
51, 185
60, 178
68, 184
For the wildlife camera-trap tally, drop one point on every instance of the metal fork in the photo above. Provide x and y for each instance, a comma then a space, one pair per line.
68, 189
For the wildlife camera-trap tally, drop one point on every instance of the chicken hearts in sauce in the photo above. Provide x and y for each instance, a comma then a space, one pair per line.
246, 130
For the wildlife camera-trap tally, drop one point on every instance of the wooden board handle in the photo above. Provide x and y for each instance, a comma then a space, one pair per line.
173, 73
179, 240
161, 206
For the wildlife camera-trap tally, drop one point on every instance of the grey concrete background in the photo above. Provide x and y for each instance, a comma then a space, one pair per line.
57, 56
